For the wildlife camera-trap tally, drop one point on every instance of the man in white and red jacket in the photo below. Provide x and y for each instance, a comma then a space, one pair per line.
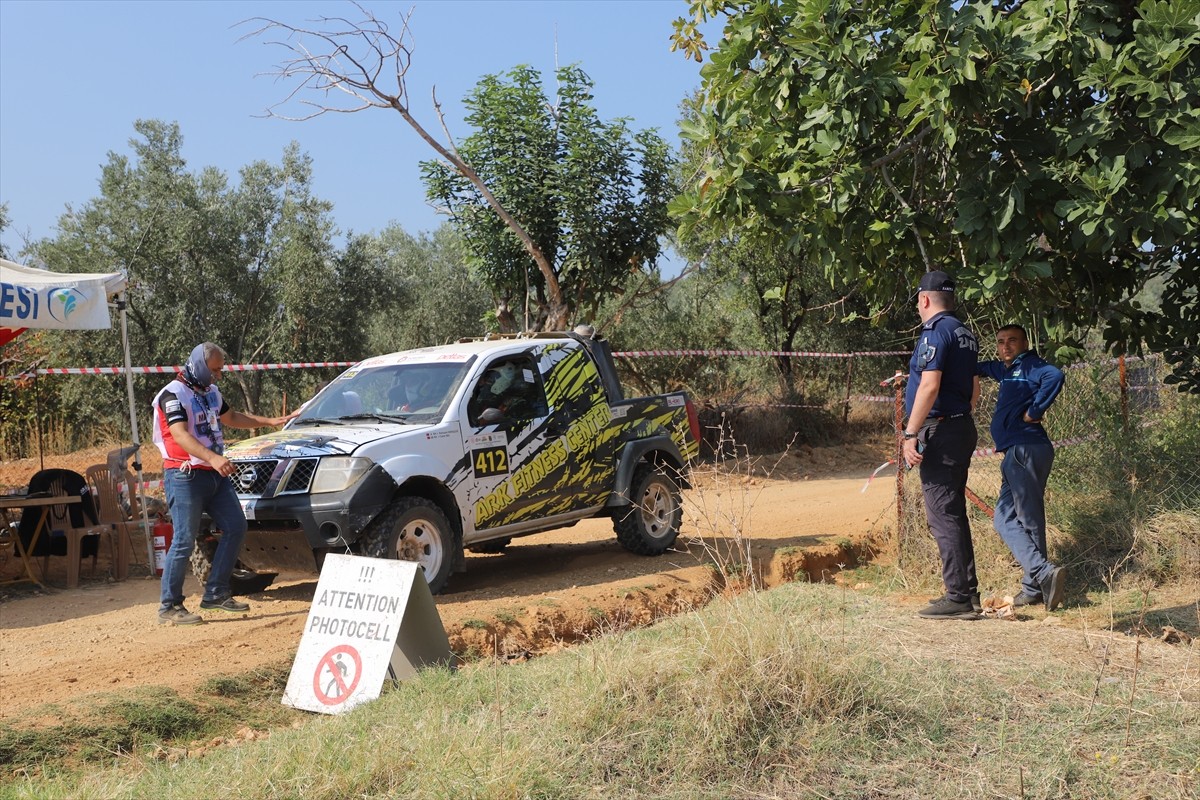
188, 415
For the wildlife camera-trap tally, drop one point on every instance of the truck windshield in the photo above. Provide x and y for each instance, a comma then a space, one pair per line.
402, 393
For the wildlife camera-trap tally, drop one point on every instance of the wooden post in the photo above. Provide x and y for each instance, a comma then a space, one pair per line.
849, 376
37, 413
898, 382
1123, 378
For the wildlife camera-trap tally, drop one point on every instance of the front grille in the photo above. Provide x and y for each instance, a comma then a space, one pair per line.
300, 476
251, 477
270, 477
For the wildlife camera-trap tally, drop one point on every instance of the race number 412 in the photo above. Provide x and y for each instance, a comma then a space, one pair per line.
492, 461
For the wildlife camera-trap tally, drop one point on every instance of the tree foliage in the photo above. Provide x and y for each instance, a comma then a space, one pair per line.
1046, 151
777, 286
4, 223
591, 194
434, 296
251, 266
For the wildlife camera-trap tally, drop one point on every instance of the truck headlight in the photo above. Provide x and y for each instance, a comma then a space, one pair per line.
335, 473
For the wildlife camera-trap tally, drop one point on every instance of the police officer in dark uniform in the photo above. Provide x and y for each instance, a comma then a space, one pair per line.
940, 437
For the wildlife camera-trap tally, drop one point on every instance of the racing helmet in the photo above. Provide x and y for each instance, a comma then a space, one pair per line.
418, 386
503, 376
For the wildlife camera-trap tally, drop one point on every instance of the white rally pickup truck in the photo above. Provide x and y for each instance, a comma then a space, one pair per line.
423, 454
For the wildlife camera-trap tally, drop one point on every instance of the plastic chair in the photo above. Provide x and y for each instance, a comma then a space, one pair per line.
108, 506
72, 529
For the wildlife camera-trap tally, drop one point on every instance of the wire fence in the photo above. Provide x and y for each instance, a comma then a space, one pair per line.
1127, 467
762, 401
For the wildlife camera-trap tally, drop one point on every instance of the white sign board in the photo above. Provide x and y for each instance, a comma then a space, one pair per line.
368, 614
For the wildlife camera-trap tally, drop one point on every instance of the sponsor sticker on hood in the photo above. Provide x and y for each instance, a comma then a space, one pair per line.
290, 444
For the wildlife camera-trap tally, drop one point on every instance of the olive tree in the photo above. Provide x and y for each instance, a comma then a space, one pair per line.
250, 264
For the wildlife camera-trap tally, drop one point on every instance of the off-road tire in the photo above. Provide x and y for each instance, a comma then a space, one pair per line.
492, 546
649, 525
202, 556
242, 581
415, 529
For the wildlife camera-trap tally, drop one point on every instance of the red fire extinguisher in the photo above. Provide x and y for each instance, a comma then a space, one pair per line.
161, 533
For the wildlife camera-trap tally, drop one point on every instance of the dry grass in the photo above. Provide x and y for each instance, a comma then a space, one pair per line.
796, 692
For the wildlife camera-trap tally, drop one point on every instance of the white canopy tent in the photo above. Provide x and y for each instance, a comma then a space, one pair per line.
41, 299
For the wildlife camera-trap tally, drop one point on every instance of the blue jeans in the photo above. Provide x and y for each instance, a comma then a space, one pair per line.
189, 495
1021, 510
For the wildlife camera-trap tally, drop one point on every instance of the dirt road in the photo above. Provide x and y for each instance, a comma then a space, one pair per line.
791, 514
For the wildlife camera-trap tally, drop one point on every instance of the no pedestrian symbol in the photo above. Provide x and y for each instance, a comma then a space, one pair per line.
370, 619
337, 675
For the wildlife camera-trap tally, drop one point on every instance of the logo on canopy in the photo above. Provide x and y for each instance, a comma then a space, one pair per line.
63, 301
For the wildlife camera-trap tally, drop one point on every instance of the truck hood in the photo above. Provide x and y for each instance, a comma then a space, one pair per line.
326, 440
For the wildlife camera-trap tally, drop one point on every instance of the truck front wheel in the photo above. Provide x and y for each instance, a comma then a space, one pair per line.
650, 524
242, 581
414, 529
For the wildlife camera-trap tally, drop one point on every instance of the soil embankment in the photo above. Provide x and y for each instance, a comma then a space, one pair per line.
794, 515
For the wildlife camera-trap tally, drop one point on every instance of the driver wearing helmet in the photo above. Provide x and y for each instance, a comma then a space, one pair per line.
416, 392
494, 396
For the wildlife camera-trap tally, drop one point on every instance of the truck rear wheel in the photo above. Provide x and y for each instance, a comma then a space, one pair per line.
650, 524
414, 529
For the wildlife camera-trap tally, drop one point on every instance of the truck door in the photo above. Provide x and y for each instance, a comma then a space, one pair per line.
518, 463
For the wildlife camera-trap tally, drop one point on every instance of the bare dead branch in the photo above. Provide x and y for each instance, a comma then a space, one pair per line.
437, 107
351, 59
837, 302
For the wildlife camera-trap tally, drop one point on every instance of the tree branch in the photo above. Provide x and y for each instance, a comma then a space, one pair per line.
916, 234
882, 161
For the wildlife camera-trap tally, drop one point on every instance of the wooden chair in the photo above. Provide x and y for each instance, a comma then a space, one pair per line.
105, 489
67, 525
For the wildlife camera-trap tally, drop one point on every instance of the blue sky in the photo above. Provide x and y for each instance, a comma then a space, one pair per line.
75, 75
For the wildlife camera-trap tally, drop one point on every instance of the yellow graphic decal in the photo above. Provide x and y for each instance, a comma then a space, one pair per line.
535, 471
587, 428
493, 504
581, 436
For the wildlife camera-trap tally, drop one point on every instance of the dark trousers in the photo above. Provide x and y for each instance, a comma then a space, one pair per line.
947, 455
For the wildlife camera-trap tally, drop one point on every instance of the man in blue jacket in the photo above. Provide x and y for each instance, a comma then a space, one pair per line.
1028, 387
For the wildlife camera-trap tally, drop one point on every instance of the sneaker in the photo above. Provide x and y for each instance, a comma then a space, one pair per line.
945, 608
228, 604
976, 606
1026, 599
1054, 587
178, 615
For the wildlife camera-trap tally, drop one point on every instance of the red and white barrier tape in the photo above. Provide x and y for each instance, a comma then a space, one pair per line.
171, 369
772, 353
878, 470
174, 369
620, 354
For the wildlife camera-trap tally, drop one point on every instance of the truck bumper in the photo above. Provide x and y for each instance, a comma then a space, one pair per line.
329, 519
